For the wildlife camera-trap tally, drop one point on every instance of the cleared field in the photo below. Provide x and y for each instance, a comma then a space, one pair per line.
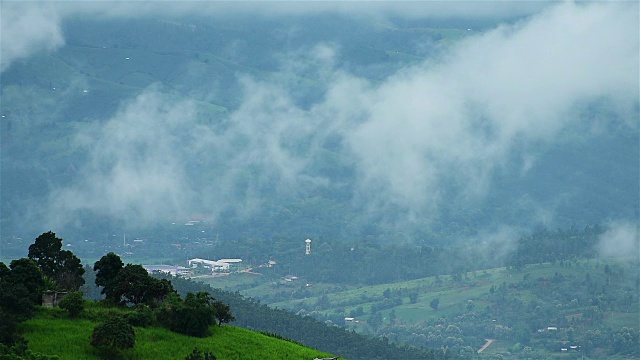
50, 332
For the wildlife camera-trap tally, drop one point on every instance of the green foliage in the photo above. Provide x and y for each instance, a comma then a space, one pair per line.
107, 268
192, 316
8, 328
223, 313
20, 292
26, 273
435, 303
130, 284
62, 266
18, 289
20, 352
142, 316
374, 321
196, 354
304, 330
73, 303
90, 290
114, 334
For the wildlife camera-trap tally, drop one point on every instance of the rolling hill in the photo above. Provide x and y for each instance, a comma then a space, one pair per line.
51, 332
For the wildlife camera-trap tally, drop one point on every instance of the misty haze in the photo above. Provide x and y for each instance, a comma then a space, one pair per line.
412, 180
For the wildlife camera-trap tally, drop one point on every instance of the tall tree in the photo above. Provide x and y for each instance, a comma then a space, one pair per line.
25, 272
129, 284
196, 314
62, 266
20, 289
435, 303
223, 312
107, 269
132, 284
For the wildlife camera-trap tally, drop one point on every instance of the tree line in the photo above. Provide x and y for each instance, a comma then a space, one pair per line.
151, 301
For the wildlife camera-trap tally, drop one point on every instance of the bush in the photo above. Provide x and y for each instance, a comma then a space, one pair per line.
73, 303
112, 336
21, 352
196, 354
192, 317
142, 316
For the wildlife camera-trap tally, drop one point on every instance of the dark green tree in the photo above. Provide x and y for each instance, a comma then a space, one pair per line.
21, 352
113, 335
196, 354
71, 271
134, 285
374, 321
8, 328
62, 266
131, 284
192, 316
435, 303
223, 312
26, 272
107, 268
413, 298
197, 314
20, 290
73, 303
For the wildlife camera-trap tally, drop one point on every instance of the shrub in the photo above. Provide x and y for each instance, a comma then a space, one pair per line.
73, 303
112, 336
192, 317
196, 354
142, 316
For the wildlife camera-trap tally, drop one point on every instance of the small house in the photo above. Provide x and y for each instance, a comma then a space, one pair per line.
52, 298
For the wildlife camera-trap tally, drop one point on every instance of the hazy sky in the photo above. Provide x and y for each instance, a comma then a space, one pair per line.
462, 115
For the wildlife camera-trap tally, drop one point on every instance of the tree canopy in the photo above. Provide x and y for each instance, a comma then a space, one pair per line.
129, 284
62, 266
114, 334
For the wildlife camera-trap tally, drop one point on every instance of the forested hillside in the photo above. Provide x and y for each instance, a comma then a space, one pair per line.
90, 128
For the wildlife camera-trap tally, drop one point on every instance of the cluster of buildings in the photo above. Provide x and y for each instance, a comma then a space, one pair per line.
214, 266
222, 265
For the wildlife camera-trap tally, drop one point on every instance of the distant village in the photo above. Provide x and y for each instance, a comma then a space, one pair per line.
199, 267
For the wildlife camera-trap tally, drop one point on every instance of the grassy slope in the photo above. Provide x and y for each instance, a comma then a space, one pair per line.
51, 332
453, 296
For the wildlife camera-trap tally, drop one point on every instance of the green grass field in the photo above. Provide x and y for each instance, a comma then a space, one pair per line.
51, 332
453, 295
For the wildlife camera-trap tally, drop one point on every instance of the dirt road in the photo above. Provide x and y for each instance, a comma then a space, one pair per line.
486, 345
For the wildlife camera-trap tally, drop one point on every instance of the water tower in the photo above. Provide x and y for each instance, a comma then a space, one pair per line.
307, 250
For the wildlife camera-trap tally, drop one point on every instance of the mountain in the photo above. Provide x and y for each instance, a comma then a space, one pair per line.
333, 124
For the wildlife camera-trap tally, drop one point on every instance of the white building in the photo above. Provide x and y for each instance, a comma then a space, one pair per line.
169, 269
217, 265
231, 261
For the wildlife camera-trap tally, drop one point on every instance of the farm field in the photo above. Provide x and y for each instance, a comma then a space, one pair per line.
480, 295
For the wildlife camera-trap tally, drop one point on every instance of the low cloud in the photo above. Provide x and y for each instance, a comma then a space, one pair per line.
26, 29
621, 240
135, 168
434, 132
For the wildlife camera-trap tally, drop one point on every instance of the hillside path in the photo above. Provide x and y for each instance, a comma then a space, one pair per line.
486, 345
